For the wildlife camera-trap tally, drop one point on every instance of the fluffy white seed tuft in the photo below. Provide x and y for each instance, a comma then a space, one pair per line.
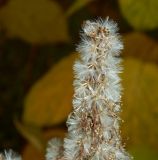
9, 155
54, 149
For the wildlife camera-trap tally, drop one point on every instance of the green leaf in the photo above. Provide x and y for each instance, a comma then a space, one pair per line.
140, 14
35, 21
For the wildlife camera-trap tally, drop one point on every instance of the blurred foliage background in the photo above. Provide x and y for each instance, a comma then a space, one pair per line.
37, 44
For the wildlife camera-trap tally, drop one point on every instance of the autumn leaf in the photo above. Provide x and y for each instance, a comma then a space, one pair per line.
35, 21
50, 99
140, 14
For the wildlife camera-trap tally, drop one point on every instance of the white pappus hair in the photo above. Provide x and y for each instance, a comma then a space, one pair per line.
93, 126
9, 155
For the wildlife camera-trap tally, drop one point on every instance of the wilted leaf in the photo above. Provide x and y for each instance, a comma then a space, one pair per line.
141, 14
140, 46
49, 101
36, 21
140, 102
77, 4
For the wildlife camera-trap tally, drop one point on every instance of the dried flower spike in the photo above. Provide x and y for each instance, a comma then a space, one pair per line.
93, 125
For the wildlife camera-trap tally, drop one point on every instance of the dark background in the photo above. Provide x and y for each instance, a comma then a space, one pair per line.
37, 35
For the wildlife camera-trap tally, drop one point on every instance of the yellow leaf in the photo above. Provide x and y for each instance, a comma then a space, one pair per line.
50, 99
77, 4
36, 21
141, 14
140, 102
